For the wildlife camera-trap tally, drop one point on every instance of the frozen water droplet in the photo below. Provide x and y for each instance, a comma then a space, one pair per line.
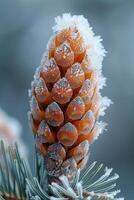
54, 114
63, 83
80, 151
75, 75
50, 72
41, 91
62, 91
40, 87
86, 91
69, 168
67, 134
64, 55
76, 108
56, 152
37, 113
43, 128
88, 115
65, 47
76, 69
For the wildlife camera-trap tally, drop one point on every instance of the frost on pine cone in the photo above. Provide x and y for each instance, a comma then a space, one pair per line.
65, 99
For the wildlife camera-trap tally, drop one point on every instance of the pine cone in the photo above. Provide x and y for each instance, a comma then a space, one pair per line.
65, 97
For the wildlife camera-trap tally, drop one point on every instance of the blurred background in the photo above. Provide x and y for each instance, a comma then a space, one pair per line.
25, 27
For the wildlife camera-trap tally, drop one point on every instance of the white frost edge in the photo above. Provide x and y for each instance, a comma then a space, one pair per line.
105, 103
95, 49
101, 128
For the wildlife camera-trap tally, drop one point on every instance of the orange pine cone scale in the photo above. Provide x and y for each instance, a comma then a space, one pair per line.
65, 99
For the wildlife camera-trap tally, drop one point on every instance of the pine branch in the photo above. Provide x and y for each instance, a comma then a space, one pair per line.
18, 183
91, 184
13, 172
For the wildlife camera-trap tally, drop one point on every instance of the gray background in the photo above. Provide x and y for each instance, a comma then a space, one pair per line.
25, 27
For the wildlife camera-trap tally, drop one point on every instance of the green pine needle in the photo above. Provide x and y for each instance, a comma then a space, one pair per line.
95, 183
13, 173
18, 183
